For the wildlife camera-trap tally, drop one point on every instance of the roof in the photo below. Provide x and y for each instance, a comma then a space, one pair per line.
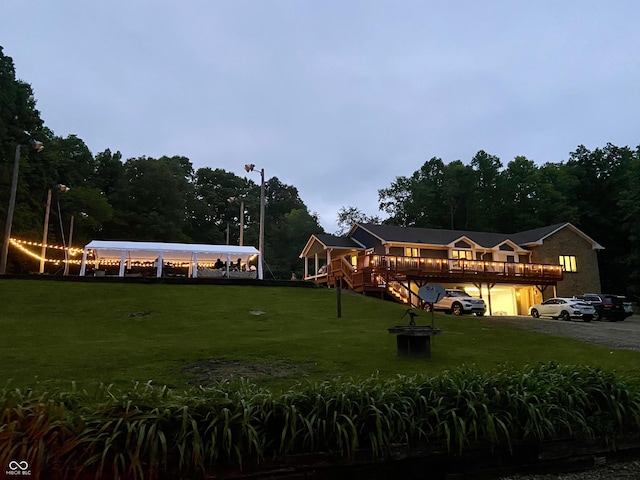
328, 241
170, 251
433, 236
436, 236
538, 235
337, 242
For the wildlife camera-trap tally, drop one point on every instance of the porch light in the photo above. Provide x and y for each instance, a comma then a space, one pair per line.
37, 146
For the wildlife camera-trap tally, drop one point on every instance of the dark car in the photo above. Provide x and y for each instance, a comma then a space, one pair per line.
609, 307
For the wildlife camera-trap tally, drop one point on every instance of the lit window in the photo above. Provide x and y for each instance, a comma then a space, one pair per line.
568, 263
463, 254
411, 252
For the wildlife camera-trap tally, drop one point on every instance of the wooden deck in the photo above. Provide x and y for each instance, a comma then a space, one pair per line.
376, 272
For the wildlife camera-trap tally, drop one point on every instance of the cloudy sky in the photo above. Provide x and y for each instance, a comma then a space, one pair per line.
335, 97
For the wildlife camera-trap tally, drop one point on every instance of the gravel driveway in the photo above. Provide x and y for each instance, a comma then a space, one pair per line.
623, 335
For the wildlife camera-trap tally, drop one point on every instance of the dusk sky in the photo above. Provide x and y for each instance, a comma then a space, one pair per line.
334, 97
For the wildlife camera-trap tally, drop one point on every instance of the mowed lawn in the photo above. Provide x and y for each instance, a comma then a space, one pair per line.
107, 333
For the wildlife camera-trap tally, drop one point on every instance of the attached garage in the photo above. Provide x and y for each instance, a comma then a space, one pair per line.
208, 260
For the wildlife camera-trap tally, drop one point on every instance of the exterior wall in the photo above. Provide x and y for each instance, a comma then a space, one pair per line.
427, 253
567, 242
424, 252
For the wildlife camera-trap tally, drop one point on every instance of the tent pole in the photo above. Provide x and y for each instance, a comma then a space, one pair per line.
123, 259
83, 267
160, 262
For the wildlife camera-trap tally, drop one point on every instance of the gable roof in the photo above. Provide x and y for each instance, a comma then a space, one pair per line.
328, 241
335, 241
538, 235
431, 236
436, 236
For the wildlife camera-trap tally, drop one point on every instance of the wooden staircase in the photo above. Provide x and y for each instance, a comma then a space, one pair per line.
341, 270
397, 277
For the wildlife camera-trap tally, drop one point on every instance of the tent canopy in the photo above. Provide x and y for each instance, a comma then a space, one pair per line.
169, 252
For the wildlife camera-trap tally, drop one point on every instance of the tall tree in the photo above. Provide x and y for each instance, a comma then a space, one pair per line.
457, 195
18, 113
72, 160
109, 172
280, 199
20, 123
519, 196
629, 203
210, 211
423, 208
602, 179
484, 214
151, 200
292, 234
395, 199
347, 216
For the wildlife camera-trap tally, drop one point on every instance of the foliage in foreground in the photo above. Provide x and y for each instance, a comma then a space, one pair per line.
147, 430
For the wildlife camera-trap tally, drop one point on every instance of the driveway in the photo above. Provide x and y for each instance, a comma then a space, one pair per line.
623, 335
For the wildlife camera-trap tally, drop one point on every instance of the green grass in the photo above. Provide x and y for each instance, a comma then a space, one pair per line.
107, 333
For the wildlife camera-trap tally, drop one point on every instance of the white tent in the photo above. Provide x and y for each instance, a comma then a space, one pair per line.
161, 253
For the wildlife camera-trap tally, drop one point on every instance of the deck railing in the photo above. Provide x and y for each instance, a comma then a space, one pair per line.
371, 268
415, 265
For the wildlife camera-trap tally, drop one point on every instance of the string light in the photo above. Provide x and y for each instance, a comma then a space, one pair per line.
20, 247
71, 250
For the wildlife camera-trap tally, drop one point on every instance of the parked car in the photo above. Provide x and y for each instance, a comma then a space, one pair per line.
564, 308
609, 307
628, 307
458, 302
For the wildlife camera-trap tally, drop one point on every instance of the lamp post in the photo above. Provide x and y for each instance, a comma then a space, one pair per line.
47, 210
235, 200
250, 168
38, 147
66, 251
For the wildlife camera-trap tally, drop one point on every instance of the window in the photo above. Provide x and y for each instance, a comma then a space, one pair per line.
463, 254
568, 263
411, 252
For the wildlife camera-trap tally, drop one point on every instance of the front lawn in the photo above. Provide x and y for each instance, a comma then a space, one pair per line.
174, 335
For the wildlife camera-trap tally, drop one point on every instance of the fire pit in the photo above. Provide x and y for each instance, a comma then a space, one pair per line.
414, 341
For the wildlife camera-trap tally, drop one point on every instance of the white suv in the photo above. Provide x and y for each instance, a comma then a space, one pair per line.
459, 302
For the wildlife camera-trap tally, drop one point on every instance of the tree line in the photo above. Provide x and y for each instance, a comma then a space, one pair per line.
146, 199
166, 199
597, 190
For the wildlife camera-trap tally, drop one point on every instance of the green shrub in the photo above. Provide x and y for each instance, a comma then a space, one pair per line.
146, 430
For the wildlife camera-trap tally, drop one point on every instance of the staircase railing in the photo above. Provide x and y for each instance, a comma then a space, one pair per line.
342, 268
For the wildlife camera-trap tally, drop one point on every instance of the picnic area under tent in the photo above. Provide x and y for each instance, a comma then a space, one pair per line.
187, 259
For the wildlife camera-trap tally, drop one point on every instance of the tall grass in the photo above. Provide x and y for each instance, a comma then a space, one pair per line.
144, 431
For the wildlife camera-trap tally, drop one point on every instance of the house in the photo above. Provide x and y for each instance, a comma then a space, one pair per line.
510, 271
